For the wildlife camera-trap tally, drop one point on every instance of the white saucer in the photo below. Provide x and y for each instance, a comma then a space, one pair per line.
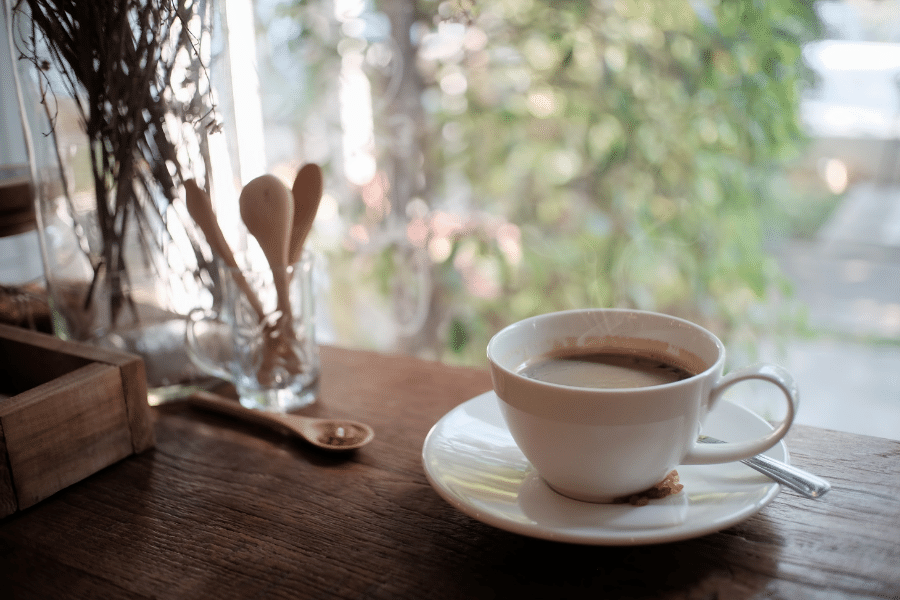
473, 463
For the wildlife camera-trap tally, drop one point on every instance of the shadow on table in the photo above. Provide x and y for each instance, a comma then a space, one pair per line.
736, 563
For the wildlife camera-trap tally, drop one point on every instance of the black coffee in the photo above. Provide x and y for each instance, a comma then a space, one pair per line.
607, 369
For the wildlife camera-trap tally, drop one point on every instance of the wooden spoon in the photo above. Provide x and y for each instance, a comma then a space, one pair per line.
199, 206
307, 193
268, 212
328, 434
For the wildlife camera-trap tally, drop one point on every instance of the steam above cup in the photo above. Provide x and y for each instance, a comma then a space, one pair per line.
600, 444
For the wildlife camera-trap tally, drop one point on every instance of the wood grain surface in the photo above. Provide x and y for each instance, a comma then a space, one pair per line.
220, 509
67, 410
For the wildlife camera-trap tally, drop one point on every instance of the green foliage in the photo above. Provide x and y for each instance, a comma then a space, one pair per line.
459, 337
635, 144
630, 152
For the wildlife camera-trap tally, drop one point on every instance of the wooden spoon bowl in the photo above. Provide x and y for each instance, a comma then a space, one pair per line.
306, 193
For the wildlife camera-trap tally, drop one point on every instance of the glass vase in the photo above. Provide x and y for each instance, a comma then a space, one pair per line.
137, 302
122, 260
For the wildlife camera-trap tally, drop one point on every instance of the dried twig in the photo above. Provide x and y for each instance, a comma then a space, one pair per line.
116, 59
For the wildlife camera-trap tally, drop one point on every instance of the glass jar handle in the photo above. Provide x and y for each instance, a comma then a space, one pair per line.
195, 350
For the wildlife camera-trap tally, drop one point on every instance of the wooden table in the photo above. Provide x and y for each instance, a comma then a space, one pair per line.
223, 510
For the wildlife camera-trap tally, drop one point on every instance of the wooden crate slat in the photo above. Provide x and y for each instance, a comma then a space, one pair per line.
37, 355
67, 410
61, 432
8, 503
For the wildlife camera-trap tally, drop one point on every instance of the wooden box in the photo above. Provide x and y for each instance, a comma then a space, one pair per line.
67, 410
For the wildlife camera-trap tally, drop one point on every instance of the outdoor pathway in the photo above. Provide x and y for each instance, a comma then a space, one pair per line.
849, 277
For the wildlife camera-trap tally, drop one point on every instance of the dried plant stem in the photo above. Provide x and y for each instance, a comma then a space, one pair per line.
116, 59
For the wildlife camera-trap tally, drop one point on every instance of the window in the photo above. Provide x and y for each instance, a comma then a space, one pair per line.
487, 161
731, 162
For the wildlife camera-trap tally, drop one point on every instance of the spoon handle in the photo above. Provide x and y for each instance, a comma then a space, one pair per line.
219, 404
328, 434
199, 207
804, 483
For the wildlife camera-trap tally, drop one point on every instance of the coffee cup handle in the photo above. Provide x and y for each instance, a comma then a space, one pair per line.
721, 453
194, 349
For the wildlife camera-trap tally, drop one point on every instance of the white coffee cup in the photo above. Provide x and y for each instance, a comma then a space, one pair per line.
600, 445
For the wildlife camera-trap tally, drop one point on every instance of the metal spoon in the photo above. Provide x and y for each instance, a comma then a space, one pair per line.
328, 434
802, 482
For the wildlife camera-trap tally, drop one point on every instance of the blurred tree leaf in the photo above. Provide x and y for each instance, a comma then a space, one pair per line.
634, 144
